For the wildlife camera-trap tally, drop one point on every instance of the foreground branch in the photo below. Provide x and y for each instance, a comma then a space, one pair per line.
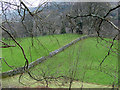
5, 45
26, 63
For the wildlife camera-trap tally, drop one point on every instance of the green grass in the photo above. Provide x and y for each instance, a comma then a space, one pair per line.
84, 57
42, 46
87, 56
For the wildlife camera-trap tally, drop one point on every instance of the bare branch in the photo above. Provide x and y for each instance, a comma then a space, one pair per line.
98, 16
27, 62
6, 45
108, 53
111, 10
36, 11
7, 63
26, 7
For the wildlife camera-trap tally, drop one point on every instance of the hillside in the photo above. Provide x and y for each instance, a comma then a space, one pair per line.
79, 57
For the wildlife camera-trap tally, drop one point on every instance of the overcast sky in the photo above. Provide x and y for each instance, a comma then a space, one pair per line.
29, 3
34, 3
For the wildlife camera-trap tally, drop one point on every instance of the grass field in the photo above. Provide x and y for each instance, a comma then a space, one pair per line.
42, 46
83, 58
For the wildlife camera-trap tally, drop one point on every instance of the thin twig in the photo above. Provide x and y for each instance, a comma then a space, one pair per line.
6, 45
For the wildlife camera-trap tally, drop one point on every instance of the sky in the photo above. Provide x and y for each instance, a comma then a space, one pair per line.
34, 3
30, 3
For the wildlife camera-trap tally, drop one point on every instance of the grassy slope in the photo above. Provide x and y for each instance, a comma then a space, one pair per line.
42, 46
88, 58
86, 53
